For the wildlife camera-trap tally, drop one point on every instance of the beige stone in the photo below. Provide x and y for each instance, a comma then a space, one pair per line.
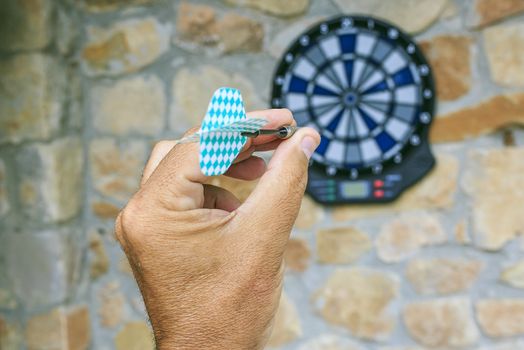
437, 190
135, 336
274, 7
503, 45
441, 323
105, 210
450, 11
99, 264
506, 345
125, 47
10, 336
51, 179
488, 116
310, 213
402, 237
78, 329
501, 317
238, 33
442, 275
494, 182
192, 89
358, 299
330, 342
26, 25
411, 15
129, 106
31, 96
449, 56
290, 33
514, 275
112, 301
341, 245
297, 255
484, 12
199, 26
4, 200
111, 5
287, 325
116, 169
59, 329
461, 232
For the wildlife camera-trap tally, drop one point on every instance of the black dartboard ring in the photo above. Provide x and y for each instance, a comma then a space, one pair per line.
367, 88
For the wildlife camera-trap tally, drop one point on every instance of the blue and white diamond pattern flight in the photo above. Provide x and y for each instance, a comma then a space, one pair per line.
220, 135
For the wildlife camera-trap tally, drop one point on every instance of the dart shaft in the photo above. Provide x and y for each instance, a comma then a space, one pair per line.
283, 132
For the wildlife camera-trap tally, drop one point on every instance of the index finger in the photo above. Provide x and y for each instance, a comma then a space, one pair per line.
179, 171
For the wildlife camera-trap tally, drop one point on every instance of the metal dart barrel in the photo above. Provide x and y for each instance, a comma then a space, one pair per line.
283, 132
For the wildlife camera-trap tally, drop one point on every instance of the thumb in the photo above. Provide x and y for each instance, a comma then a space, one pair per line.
274, 204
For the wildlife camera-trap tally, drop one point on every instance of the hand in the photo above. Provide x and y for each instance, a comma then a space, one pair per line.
210, 268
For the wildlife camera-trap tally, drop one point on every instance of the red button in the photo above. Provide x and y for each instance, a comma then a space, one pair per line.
378, 193
378, 183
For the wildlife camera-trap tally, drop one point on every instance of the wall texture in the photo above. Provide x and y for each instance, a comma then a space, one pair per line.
88, 86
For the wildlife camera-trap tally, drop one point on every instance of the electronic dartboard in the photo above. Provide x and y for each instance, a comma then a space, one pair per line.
368, 90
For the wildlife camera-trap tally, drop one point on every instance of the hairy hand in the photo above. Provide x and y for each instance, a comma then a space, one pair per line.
210, 268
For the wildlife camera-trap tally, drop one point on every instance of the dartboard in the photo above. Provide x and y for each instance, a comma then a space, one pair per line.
368, 90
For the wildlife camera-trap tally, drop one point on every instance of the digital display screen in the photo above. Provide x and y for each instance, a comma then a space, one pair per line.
355, 189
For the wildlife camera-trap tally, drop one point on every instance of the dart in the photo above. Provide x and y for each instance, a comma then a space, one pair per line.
225, 130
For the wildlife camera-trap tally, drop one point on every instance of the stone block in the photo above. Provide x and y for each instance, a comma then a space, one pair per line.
404, 236
501, 317
60, 329
358, 299
274, 7
441, 323
495, 184
31, 97
341, 245
112, 303
480, 13
116, 168
450, 59
130, 106
504, 45
25, 25
514, 275
51, 179
442, 275
486, 117
41, 267
125, 47
10, 335
135, 336
192, 89
297, 255
199, 27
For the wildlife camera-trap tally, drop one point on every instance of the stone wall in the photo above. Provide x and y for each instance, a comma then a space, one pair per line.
88, 86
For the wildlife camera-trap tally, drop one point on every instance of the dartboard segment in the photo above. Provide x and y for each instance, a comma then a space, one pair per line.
365, 86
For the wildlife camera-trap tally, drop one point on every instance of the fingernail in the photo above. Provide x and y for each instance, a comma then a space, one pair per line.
308, 145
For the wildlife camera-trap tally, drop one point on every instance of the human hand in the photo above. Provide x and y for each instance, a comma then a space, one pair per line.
210, 268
